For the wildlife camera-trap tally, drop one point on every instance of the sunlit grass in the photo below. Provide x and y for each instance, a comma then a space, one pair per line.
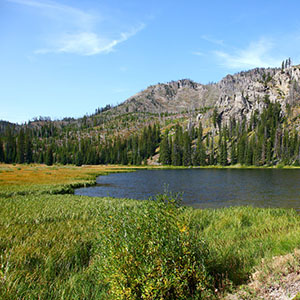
54, 245
240, 237
40, 179
41, 174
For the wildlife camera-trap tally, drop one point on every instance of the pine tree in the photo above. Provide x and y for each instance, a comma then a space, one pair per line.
197, 154
41, 158
269, 153
2, 158
10, 146
200, 131
187, 151
165, 151
241, 149
21, 147
212, 152
249, 153
28, 149
176, 148
257, 153
202, 154
49, 156
63, 158
79, 159
215, 117
233, 154
223, 153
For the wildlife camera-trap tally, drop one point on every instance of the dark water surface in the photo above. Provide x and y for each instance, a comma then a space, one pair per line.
203, 188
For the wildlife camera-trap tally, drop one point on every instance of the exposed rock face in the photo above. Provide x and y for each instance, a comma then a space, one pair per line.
235, 95
243, 93
174, 96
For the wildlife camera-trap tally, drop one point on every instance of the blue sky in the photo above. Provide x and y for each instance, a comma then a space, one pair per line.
65, 58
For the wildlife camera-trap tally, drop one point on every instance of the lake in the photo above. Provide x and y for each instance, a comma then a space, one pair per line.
206, 188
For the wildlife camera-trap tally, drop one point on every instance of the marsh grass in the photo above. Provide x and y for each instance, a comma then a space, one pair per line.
41, 179
54, 245
239, 237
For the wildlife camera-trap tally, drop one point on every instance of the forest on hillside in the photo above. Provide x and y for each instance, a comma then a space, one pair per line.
265, 139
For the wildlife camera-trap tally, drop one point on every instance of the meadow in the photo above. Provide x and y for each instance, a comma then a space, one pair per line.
55, 245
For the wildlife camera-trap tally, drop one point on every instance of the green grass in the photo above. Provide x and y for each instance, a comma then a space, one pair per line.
239, 237
54, 245
69, 247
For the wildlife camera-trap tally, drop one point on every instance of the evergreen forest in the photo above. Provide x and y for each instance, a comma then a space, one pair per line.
265, 139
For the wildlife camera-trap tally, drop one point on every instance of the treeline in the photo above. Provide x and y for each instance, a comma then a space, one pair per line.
49, 147
264, 140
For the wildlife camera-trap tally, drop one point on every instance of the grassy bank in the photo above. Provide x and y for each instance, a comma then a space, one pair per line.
61, 246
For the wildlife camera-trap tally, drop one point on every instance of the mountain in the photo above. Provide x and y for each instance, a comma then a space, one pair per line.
259, 107
237, 95
172, 97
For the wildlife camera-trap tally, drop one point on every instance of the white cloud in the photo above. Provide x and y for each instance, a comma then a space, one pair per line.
87, 43
78, 32
212, 40
257, 54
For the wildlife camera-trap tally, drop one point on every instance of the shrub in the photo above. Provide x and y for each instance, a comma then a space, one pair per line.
151, 254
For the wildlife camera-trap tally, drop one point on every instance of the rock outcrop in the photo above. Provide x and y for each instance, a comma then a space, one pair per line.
237, 95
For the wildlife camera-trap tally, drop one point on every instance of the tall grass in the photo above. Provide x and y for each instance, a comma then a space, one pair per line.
239, 237
68, 247
61, 246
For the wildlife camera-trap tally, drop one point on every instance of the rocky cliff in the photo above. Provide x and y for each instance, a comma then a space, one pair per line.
237, 95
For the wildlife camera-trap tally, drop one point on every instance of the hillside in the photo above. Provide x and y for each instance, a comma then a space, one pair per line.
237, 100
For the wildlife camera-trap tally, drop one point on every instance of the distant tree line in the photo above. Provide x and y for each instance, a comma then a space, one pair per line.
47, 146
265, 139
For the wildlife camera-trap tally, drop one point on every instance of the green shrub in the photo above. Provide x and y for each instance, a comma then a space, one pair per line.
150, 254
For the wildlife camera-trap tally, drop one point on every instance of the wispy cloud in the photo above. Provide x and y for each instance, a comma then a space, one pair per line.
65, 13
78, 32
88, 43
212, 40
257, 54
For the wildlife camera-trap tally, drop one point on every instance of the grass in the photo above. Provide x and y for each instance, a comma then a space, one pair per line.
41, 179
54, 245
241, 236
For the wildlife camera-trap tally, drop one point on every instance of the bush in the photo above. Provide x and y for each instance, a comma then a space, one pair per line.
151, 254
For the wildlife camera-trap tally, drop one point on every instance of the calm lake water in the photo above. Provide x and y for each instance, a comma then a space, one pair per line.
206, 188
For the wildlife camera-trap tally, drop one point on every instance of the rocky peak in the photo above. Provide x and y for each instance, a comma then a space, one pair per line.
237, 95
243, 93
174, 96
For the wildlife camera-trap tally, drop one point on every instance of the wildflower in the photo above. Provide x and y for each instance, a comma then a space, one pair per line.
183, 229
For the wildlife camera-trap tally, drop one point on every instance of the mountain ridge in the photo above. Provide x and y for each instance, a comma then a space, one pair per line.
254, 115
234, 95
